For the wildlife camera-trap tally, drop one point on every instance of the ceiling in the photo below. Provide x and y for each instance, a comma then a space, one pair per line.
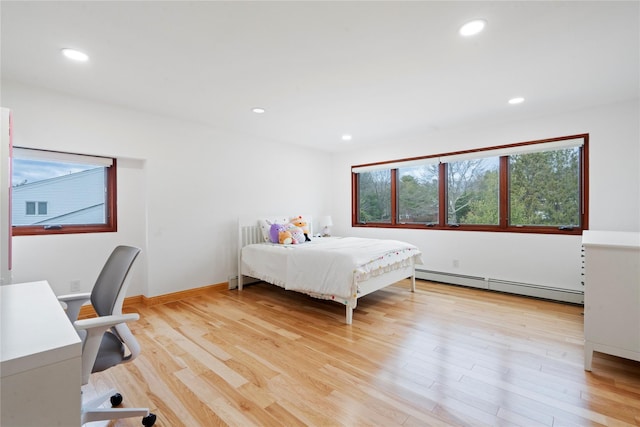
379, 71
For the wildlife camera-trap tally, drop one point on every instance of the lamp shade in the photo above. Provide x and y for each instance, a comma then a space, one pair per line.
325, 221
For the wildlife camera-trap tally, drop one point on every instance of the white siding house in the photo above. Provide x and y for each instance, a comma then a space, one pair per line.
76, 198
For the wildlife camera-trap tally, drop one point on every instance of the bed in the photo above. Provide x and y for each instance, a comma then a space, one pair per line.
340, 269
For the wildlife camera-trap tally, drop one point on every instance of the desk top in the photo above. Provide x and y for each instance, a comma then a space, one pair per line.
614, 239
34, 329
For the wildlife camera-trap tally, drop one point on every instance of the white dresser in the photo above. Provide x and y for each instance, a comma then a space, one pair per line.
40, 359
611, 294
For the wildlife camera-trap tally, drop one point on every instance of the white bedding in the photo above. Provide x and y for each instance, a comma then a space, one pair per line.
328, 268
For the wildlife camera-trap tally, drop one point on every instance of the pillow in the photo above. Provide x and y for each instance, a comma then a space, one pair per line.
265, 225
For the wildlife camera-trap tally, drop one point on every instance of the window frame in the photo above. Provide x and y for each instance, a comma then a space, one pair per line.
36, 207
111, 224
503, 223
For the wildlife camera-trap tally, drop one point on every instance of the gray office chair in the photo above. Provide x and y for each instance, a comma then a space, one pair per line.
106, 339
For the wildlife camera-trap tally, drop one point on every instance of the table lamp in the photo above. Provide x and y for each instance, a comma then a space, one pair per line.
325, 223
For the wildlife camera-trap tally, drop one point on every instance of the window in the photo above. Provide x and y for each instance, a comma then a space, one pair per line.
58, 193
535, 187
472, 191
42, 208
31, 208
544, 188
375, 196
418, 188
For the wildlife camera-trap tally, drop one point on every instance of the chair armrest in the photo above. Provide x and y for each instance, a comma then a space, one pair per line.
95, 328
104, 322
69, 297
73, 303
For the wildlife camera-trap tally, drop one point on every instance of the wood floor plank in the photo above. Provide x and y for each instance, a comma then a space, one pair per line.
442, 356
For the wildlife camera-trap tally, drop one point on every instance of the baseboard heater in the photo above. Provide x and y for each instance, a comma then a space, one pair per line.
528, 289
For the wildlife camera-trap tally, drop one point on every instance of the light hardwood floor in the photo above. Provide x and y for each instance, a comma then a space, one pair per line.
441, 356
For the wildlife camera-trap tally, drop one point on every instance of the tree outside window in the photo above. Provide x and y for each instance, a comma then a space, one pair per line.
418, 194
375, 196
545, 188
473, 191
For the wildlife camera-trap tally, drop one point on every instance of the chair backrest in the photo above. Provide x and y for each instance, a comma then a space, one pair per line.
108, 293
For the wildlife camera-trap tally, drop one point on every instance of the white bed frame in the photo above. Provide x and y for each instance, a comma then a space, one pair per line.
249, 233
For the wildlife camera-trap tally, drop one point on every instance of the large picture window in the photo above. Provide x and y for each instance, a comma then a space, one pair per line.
58, 193
537, 186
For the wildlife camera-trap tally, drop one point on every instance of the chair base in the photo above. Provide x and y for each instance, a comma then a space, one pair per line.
91, 411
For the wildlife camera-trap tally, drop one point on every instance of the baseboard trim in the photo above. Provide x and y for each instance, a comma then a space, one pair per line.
526, 289
87, 311
177, 296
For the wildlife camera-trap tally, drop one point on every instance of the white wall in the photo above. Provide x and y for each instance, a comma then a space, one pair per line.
548, 260
181, 187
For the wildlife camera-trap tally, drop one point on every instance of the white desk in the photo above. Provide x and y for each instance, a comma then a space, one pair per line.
611, 294
41, 359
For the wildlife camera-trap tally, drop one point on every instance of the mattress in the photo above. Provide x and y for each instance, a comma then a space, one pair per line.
329, 268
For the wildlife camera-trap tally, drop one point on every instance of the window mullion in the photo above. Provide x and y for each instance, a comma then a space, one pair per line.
394, 196
355, 191
504, 192
442, 195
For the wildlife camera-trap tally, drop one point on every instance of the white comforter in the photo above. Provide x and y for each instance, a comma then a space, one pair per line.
330, 267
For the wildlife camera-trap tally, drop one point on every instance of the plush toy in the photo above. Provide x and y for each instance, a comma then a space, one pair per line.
274, 232
296, 234
278, 233
302, 224
285, 238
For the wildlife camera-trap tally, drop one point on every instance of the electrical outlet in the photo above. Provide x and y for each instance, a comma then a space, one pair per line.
456, 263
75, 286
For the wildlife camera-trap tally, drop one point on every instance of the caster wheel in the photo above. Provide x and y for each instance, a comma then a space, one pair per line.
116, 399
149, 420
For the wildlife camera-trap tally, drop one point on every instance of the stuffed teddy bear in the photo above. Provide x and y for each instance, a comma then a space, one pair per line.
302, 224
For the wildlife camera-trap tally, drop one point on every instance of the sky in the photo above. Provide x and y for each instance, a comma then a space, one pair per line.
29, 171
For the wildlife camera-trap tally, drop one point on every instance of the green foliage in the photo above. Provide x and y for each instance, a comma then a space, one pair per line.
473, 191
483, 207
375, 196
418, 194
544, 188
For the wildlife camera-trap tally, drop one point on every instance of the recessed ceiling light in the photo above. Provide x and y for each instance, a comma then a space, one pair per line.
347, 137
258, 110
472, 28
516, 100
76, 55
